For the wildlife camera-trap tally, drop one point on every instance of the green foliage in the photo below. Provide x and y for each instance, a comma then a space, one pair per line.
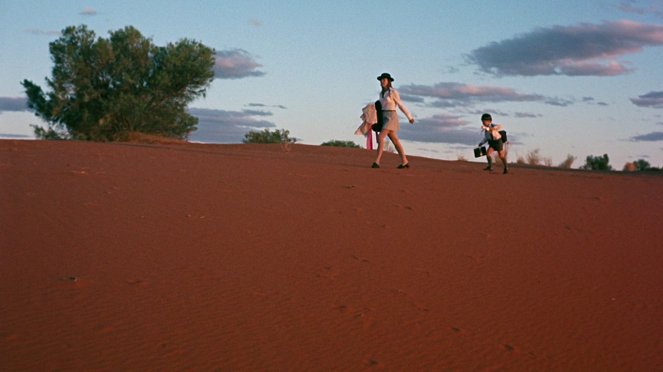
640, 165
102, 89
267, 136
337, 143
597, 163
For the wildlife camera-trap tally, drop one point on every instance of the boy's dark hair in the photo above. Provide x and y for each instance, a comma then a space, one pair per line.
486, 117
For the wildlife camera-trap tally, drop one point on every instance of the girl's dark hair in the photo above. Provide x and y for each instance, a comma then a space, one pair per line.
385, 90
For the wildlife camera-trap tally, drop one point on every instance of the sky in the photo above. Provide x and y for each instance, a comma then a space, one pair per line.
563, 77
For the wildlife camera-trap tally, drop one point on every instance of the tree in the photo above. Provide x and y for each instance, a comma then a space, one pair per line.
597, 163
267, 136
338, 143
104, 89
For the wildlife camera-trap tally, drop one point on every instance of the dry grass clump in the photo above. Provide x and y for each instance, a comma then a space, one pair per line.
153, 139
534, 158
566, 164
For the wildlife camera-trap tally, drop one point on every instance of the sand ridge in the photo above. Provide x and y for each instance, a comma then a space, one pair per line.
254, 257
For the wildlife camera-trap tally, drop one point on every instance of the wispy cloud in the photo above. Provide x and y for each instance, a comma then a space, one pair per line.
255, 23
654, 8
264, 105
13, 104
651, 99
581, 50
450, 94
526, 115
593, 101
236, 64
649, 137
35, 31
88, 12
221, 126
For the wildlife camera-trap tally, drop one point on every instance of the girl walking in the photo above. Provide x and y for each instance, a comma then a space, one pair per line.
390, 100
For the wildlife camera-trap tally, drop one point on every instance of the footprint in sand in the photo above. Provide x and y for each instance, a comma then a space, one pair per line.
372, 362
365, 260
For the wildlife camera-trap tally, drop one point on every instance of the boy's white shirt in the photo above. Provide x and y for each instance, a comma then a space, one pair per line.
491, 132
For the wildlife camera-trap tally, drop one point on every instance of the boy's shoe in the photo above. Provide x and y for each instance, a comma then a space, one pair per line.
489, 169
401, 166
375, 165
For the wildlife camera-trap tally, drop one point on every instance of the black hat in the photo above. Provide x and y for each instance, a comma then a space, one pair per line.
385, 75
486, 117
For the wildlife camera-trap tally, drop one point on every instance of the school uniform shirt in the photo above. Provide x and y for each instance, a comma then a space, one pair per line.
492, 134
391, 100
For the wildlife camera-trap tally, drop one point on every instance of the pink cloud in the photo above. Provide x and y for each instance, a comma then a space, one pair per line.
581, 50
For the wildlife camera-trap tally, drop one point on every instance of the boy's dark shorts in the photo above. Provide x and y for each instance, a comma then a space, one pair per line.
496, 145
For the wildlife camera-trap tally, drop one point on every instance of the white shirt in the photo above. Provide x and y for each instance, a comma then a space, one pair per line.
491, 133
391, 100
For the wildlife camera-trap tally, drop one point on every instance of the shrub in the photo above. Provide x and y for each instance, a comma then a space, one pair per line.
337, 143
639, 165
266, 136
597, 163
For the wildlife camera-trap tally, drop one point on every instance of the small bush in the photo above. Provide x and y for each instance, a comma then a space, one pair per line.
337, 143
597, 163
640, 165
281, 136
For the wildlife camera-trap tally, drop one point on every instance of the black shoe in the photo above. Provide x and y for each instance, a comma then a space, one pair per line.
489, 169
375, 165
505, 171
401, 166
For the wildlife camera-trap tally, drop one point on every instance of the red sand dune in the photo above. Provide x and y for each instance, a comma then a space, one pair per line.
256, 257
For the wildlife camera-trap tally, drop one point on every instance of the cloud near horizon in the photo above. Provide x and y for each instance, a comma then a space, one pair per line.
450, 94
236, 64
221, 126
651, 99
442, 128
581, 50
13, 104
649, 137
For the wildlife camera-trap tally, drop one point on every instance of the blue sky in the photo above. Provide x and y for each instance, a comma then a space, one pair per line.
564, 77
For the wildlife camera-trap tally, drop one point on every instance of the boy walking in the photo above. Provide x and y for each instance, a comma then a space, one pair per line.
495, 141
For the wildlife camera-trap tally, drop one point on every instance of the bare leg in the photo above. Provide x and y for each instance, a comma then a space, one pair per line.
502, 155
381, 136
397, 143
489, 157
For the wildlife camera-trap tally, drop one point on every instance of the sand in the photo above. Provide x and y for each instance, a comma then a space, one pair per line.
260, 257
